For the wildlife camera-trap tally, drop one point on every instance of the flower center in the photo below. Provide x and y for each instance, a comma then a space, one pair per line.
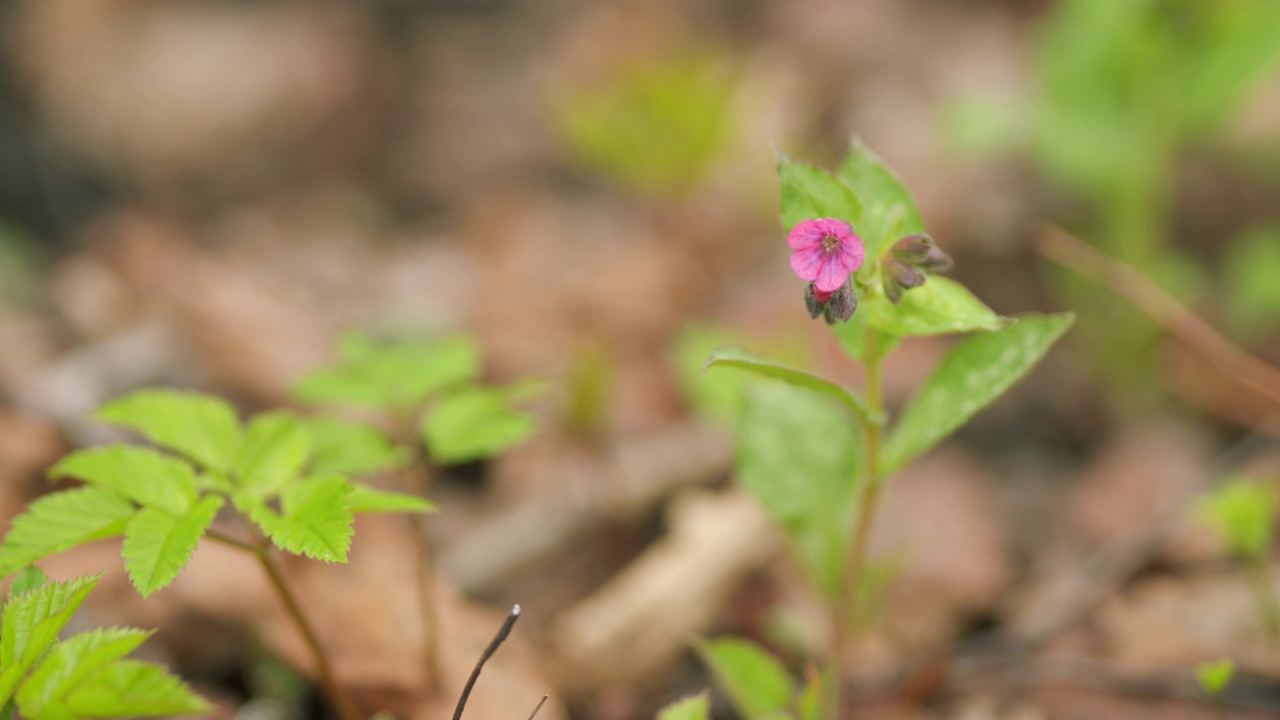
830, 244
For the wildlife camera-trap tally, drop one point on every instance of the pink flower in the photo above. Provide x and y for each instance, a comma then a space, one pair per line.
826, 252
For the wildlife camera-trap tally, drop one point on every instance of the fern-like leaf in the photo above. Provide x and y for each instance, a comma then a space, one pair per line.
316, 521
274, 449
32, 621
61, 521
202, 427
131, 688
157, 545
146, 476
365, 499
73, 661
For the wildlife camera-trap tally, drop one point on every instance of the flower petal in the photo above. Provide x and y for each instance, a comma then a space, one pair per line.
831, 275
807, 263
832, 226
806, 234
851, 253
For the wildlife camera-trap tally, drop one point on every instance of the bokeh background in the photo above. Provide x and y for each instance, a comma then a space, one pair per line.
207, 194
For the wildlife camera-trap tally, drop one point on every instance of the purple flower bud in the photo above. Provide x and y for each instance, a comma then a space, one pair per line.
843, 303
900, 277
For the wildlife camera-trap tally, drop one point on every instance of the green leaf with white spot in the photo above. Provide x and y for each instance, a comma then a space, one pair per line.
938, 307
316, 520
974, 373
809, 191
157, 544
349, 448
754, 680
365, 499
273, 452
146, 476
798, 454
202, 427
71, 663
695, 707
132, 688
888, 209
732, 357
60, 521
32, 621
474, 423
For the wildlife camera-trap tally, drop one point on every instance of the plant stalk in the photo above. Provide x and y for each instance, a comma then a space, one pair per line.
417, 480
846, 607
341, 699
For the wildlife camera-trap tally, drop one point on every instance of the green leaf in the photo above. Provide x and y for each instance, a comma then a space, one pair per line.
365, 499
28, 579
1242, 512
72, 662
809, 191
60, 521
719, 397
694, 707
888, 209
393, 375
202, 427
973, 374
741, 359
349, 448
32, 621
316, 521
938, 307
273, 452
1214, 676
798, 453
754, 680
474, 423
157, 545
133, 688
146, 476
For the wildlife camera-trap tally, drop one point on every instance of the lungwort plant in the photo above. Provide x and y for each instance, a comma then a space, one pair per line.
818, 454
287, 476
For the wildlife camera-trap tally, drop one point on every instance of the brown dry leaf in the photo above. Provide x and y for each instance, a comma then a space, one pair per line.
645, 616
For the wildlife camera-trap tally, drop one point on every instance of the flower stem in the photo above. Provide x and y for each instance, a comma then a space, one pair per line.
261, 550
846, 607
417, 480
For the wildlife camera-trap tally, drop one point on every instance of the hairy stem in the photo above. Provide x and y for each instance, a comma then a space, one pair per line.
846, 607
341, 699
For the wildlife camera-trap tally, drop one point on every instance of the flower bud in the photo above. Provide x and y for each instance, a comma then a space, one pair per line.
921, 251
900, 277
843, 303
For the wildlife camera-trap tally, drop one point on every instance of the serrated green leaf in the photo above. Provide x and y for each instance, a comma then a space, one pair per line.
888, 209
973, 374
133, 688
808, 191
474, 423
694, 707
146, 476
316, 521
938, 307
394, 375
349, 448
365, 499
71, 662
733, 357
798, 453
28, 579
754, 680
157, 545
202, 427
273, 452
60, 521
32, 621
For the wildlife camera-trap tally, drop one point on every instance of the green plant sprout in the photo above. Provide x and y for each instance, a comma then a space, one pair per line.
817, 454
1124, 89
427, 391
1242, 513
284, 475
1215, 676
85, 675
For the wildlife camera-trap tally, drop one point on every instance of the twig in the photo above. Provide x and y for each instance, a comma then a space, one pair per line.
1230, 359
538, 707
503, 632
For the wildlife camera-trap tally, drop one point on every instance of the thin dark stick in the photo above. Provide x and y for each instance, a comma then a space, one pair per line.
503, 632
539, 707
